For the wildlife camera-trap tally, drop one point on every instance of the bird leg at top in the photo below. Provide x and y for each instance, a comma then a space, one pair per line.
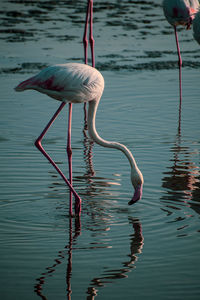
91, 38
179, 63
89, 16
85, 40
39, 146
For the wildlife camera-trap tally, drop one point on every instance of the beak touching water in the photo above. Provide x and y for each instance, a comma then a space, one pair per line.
137, 195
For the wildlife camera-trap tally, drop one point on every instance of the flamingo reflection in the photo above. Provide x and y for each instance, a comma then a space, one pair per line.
38, 288
136, 246
182, 178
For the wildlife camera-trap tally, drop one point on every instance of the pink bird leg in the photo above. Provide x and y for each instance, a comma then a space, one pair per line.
89, 16
39, 146
85, 40
180, 66
91, 38
69, 153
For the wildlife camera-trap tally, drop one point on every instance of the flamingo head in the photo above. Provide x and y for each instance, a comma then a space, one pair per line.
137, 195
137, 182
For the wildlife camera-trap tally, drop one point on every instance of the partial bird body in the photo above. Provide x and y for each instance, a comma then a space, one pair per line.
180, 12
196, 27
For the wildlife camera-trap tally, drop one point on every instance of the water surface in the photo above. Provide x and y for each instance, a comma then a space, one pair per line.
149, 250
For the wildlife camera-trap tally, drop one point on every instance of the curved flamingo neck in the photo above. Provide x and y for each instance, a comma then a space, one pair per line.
94, 135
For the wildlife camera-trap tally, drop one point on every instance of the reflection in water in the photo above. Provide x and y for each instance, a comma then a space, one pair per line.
60, 258
88, 145
136, 245
93, 184
182, 179
92, 292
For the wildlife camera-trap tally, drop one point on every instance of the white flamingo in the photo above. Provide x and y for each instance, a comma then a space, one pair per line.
78, 83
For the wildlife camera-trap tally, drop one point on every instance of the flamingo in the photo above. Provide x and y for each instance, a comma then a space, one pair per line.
180, 12
196, 27
78, 83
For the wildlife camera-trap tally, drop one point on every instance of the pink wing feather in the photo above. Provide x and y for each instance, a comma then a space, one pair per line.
46, 80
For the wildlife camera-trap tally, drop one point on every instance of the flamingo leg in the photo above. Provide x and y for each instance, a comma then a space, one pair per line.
85, 43
91, 38
89, 16
38, 144
69, 153
180, 65
85, 40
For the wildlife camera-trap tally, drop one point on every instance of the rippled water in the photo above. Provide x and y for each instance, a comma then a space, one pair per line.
147, 251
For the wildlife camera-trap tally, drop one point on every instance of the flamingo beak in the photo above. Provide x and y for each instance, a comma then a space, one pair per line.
137, 195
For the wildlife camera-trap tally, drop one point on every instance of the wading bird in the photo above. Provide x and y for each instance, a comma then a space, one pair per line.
180, 12
78, 83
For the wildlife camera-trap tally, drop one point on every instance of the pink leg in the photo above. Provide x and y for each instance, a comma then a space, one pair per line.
91, 38
69, 152
85, 43
179, 121
179, 63
89, 15
39, 146
85, 40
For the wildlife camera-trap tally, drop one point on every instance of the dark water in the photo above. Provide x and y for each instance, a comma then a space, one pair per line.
147, 251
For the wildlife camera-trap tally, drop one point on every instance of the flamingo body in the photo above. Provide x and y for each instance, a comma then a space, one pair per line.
72, 82
77, 83
196, 27
180, 12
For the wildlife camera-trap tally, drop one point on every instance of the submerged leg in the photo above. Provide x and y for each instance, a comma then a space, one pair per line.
39, 146
179, 63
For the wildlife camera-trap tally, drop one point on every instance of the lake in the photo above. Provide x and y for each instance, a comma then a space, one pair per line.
114, 251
